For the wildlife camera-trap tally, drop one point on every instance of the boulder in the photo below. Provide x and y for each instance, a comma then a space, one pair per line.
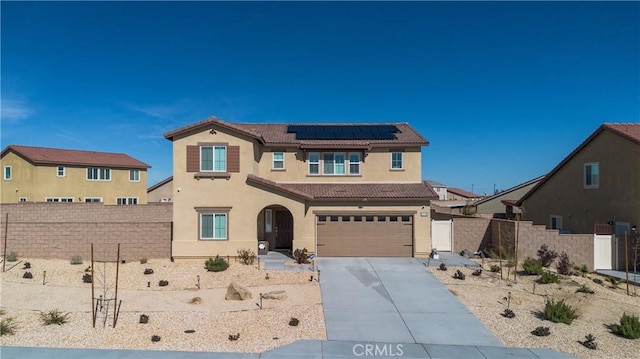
276, 294
236, 292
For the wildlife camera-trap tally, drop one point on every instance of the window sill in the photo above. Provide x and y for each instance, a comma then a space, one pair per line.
278, 170
335, 176
396, 169
213, 239
591, 187
211, 175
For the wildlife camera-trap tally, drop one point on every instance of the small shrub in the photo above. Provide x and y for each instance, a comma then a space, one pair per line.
459, 275
27, 275
532, 266
12, 257
53, 317
590, 342
144, 319
585, 289
246, 256
597, 281
8, 326
234, 337
87, 278
477, 272
3, 311
443, 266
294, 322
216, 265
613, 281
541, 331
494, 268
584, 270
76, 259
548, 277
559, 312
155, 338
546, 255
508, 313
629, 327
300, 255
143, 260
564, 266
27, 265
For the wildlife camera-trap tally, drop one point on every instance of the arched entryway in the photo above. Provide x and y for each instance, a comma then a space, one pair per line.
275, 225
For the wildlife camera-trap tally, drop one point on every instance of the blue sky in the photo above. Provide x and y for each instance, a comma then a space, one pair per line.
502, 90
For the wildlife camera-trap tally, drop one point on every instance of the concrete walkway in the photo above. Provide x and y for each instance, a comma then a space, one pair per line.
394, 300
621, 275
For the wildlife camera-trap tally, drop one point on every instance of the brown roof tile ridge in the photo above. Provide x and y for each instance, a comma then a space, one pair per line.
25, 152
272, 184
213, 120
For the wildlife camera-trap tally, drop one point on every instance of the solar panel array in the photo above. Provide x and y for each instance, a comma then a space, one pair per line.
344, 132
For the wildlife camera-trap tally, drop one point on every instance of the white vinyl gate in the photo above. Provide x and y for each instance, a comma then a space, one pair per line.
441, 235
602, 256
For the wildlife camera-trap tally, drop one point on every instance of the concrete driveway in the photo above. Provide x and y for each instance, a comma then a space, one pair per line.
394, 300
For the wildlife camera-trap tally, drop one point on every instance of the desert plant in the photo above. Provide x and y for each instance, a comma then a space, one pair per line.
155, 338
8, 326
629, 327
548, 277
27, 275
233, 337
443, 266
143, 260
3, 311
27, 265
546, 255
532, 266
459, 275
541, 331
300, 255
87, 278
494, 268
144, 319
590, 342
613, 281
76, 259
12, 257
597, 281
247, 256
559, 312
564, 266
216, 265
585, 289
53, 316
294, 322
508, 313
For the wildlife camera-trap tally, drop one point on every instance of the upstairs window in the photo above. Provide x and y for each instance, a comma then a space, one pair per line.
126, 201
59, 199
396, 160
314, 163
98, 174
213, 159
278, 161
60, 171
592, 175
354, 163
134, 175
93, 199
7, 173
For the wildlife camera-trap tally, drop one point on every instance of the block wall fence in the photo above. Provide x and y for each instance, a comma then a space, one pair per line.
62, 230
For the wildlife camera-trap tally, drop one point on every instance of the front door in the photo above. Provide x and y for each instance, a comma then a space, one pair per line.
283, 230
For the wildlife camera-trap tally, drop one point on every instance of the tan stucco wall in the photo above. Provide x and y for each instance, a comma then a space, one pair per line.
495, 205
36, 183
617, 198
246, 202
374, 167
164, 191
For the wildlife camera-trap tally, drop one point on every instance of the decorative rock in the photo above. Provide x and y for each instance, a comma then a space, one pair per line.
236, 292
27, 275
189, 331
87, 278
195, 300
27, 265
163, 283
148, 271
155, 338
294, 322
144, 319
276, 294
233, 337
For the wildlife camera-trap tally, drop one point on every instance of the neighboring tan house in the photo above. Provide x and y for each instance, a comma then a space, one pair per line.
39, 174
161, 191
599, 182
501, 204
440, 189
334, 189
457, 194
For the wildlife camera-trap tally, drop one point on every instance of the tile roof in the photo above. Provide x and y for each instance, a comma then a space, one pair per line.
630, 131
57, 156
463, 193
359, 191
276, 133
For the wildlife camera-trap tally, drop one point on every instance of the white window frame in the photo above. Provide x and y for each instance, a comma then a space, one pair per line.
316, 162
213, 164
596, 177
268, 220
135, 173
214, 238
335, 163
59, 199
558, 220
354, 163
92, 200
58, 171
102, 173
4, 173
22, 199
274, 161
126, 201
401, 160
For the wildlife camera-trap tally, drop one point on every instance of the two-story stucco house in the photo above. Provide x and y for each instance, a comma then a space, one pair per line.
334, 189
39, 174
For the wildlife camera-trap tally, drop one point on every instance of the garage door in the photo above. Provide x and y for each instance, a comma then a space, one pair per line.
365, 236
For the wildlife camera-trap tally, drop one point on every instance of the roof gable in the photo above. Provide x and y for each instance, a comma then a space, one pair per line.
58, 156
507, 191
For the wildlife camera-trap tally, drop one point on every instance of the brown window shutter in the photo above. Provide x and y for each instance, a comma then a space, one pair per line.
193, 158
233, 159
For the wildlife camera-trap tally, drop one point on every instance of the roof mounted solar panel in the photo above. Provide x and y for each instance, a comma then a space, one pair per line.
344, 132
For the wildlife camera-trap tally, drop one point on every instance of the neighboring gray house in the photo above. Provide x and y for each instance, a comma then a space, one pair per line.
161, 191
439, 188
501, 205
